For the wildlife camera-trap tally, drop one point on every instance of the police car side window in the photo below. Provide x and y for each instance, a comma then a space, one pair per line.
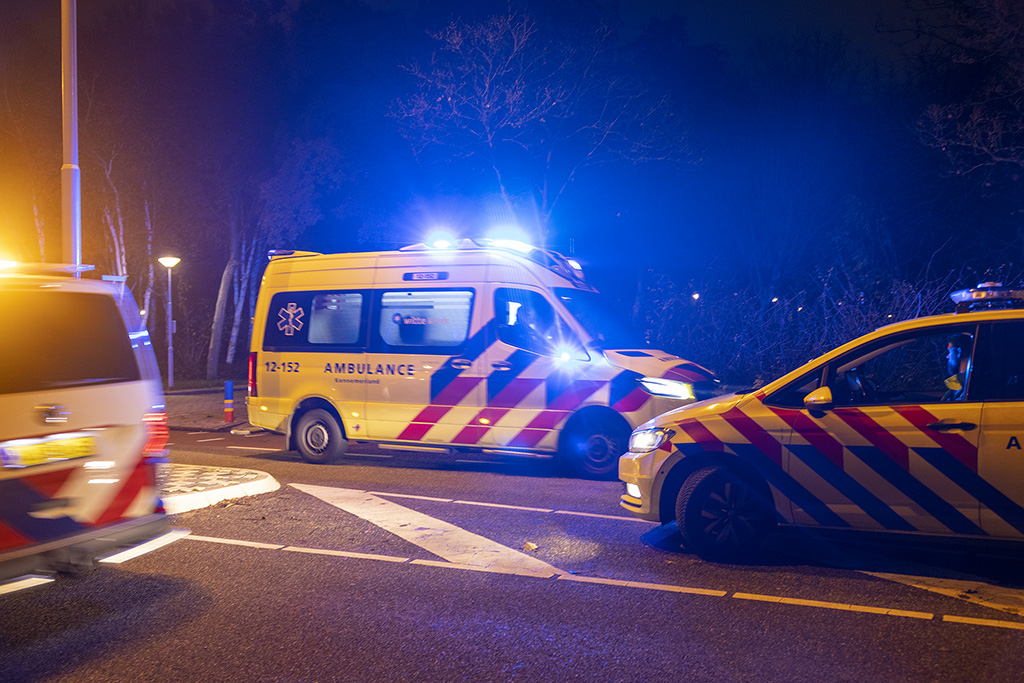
792, 395
905, 369
999, 372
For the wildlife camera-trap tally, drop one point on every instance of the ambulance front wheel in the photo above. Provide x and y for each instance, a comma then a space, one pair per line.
723, 517
592, 443
318, 437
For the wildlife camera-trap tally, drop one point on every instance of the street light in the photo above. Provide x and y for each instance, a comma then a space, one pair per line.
169, 262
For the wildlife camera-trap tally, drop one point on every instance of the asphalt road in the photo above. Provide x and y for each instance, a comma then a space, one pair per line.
371, 569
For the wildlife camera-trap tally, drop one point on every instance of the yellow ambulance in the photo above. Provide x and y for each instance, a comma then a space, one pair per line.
480, 345
915, 428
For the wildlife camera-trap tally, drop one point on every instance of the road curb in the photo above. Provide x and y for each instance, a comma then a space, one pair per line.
255, 482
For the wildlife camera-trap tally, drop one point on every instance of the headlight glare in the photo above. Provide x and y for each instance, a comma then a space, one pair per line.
646, 440
669, 388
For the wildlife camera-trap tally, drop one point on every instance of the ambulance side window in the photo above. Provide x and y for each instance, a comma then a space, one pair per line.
999, 375
526, 320
317, 321
336, 318
424, 320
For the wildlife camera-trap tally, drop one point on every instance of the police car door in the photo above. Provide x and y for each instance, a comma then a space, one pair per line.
900, 446
998, 379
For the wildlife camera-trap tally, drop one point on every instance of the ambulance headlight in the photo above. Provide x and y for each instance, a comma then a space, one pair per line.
633, 490
647, 440
669, 388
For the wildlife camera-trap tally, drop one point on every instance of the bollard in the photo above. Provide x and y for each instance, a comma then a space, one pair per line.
229, 401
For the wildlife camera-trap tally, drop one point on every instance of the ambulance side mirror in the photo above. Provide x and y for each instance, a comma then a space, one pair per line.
819, 401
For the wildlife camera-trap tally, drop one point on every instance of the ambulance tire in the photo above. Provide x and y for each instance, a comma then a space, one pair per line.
318, 437
591, 447
723, 517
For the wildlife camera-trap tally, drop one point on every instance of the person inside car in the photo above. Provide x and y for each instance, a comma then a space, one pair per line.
958, 363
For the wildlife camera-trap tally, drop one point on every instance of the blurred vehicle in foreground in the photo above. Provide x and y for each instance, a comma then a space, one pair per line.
82, 423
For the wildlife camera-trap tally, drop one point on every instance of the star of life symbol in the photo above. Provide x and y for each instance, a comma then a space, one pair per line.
291, 319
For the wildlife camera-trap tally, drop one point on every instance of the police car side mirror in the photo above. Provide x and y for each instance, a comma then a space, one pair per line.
819, 401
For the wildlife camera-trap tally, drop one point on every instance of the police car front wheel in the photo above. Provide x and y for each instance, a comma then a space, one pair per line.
721, 516
318, 437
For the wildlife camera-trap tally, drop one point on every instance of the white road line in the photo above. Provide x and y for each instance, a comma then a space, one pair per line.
440, 538
369, 455
230, 541
345, 553
253, 448
406, 495
499, 505
219, 438
194, 433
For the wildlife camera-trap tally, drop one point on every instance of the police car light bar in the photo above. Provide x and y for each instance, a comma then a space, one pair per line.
987, 295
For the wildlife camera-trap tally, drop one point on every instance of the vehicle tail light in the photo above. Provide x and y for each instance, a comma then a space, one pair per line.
154, 453
252, 374
157, 435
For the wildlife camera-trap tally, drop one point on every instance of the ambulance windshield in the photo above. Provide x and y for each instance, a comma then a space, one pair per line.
609, 329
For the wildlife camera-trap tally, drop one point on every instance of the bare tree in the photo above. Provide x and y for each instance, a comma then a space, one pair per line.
281, 208
530, 110
984, 39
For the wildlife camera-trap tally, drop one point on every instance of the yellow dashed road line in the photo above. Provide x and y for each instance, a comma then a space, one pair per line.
756, 597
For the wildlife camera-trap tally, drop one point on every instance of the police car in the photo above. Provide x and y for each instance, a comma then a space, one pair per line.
916, 428
82, 424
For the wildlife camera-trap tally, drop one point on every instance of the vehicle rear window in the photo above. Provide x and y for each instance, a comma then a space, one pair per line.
58, 339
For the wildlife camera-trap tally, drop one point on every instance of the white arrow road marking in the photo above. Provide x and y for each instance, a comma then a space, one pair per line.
440, 538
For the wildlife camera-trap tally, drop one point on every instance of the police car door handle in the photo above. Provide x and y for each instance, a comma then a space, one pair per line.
501, 365
950, 426
461, 363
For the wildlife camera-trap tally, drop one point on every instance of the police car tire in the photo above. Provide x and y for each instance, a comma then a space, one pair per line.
318, 437
721, 516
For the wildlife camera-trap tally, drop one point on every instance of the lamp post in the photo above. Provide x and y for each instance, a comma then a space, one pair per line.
169, 262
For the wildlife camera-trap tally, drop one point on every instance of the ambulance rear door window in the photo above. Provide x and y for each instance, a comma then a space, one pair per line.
317, 321
432, 321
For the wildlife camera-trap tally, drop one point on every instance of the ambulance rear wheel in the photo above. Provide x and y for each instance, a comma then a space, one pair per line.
318, 438
721, 516
591, 447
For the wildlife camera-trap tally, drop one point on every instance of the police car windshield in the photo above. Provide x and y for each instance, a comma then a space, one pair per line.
609, 329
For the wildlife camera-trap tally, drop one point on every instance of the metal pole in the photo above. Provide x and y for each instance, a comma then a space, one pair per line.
170, 335
70, 174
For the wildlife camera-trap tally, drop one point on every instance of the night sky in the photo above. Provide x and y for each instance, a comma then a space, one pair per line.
801, 150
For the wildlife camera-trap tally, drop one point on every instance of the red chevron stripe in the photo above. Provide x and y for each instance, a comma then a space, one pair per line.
129, 491
879, 436
475, 430
513, 394
49, 483
528, 438
575, 394
700, 434
755, 434
802, 424
456, 390
10, 538
634, 400
955, 444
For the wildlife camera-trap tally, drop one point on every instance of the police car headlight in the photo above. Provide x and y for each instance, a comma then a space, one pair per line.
646, 440
669, 388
